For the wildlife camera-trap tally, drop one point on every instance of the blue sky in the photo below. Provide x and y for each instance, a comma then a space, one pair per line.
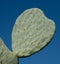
9, 11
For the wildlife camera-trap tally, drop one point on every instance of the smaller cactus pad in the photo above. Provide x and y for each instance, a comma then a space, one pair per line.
6, 56
32, 31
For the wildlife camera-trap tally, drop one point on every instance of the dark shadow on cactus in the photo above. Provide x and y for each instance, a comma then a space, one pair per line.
0, 61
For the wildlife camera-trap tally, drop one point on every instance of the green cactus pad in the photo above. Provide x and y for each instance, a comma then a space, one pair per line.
6, 56
32, 31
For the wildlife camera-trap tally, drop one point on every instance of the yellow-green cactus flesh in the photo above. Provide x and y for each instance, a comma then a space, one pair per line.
32, 31
6, 56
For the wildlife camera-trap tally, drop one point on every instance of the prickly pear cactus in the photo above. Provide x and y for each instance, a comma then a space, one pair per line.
32, 31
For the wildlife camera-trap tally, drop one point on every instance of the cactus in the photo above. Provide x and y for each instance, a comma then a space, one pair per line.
32, 31
6, 56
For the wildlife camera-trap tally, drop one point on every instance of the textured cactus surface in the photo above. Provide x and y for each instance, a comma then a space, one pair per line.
6, 56
31, 32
